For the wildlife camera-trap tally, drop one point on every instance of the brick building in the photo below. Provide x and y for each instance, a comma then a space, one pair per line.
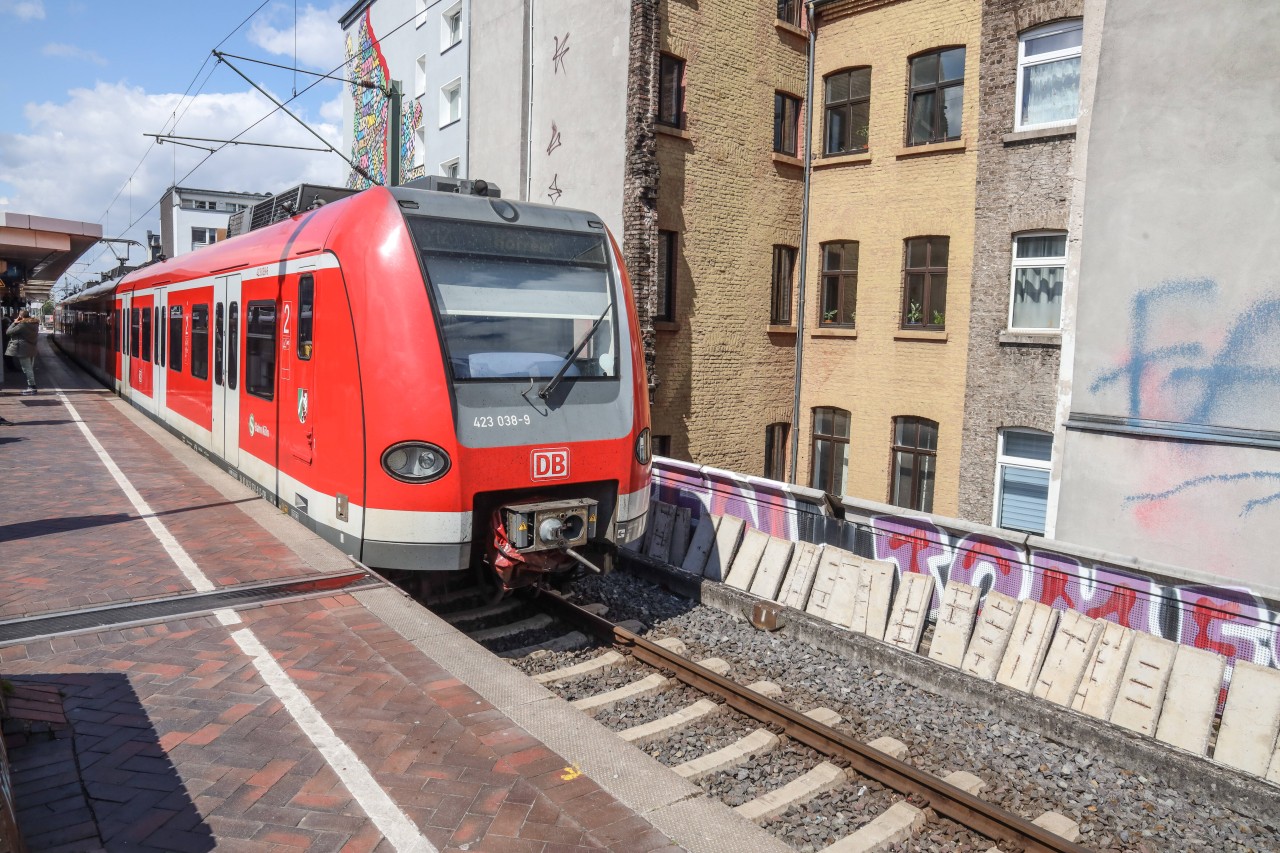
1030, 97
890, 250
729, 113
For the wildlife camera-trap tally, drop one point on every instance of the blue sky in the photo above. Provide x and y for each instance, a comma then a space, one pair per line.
84, 79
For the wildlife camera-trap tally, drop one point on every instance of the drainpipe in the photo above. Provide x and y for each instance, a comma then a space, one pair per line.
528, 104
804, 242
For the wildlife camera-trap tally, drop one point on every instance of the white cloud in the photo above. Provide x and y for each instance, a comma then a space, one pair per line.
320, 41
331, 110
23, 10
78, 152
70, 51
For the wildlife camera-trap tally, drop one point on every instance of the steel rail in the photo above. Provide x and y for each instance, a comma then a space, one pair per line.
945, 799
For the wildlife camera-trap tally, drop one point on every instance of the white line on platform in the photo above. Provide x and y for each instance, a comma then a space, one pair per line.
382, 810
388, 817
176, 552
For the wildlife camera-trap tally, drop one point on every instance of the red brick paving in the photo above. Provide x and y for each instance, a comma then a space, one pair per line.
170, 738
76, 541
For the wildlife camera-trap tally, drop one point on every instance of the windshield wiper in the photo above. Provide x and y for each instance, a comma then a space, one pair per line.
568, 359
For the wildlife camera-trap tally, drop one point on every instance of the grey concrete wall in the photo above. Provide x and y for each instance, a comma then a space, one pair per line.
496, 148
1178, 323
1024, 184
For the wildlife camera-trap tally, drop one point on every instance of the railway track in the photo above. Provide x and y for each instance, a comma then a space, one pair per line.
779, 766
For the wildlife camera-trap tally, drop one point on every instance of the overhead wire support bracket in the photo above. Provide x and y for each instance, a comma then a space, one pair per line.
174, 139
222, 57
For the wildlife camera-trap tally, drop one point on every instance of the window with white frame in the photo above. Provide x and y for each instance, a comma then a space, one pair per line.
420, 77
1023, 462
451, 169
203, 237
1049, 75
419, 146
451, 102
1039, 267
419, 12
451, 27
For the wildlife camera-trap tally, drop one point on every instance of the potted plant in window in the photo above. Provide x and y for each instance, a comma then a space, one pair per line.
914, 314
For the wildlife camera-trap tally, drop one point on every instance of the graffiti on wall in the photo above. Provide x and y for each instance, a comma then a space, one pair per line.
1226, 620
366, 64
558, 53
1178, 368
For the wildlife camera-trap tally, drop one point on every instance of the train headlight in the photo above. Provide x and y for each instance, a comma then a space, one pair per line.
644, 450
415, 462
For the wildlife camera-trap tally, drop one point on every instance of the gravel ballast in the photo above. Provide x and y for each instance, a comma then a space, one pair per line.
1117, 809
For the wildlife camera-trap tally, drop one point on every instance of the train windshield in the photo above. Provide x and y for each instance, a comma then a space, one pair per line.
514, 302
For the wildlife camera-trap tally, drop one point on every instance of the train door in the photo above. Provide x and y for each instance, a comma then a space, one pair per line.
127, 341
159, 332
226, 368
141, 350
297, 375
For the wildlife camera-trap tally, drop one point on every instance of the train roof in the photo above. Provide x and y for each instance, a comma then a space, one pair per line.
308, 232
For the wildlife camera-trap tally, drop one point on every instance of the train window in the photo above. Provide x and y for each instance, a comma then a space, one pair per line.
200, 341
306, 315
160, 327
115, 328
260, 350
219, 335
146, 334
233, 345
514, 301
175, 337
133, 332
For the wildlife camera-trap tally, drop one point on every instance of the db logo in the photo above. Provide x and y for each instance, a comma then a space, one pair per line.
550, 464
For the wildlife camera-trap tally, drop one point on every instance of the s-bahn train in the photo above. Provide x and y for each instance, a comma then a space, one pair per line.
432, 381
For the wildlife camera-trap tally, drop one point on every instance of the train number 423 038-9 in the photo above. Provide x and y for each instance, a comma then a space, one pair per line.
485, 421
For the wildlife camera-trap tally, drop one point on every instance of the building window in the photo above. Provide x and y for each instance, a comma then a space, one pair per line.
451, 169
786, 124
175, 338
670, 90
451, 28
451, 103
936, 99
924, 292
260, 350
789, 12
839, 284
775, 451
1022, 479
830, 466
420, 12
200, 341
848, 101
420, 77
1039, 267
915, 456
1049, 75
204, 205
784, 266
201, 237
419, 146
667, 254
662, 445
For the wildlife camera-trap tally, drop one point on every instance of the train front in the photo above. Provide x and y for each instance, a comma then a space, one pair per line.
542, 355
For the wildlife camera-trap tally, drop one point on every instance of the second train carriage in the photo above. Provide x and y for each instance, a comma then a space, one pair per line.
431, 381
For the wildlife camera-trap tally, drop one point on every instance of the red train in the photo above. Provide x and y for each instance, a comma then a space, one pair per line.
430, 380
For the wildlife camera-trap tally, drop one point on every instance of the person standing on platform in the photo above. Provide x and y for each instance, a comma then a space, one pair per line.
22, 345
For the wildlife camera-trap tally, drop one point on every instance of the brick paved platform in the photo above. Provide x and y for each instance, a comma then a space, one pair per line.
306, 725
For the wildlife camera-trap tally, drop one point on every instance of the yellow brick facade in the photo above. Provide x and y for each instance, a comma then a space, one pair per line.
723, 376
881, 200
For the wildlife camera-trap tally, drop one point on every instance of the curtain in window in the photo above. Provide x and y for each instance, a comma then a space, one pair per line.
1051, 91
1024, 498
1037, 297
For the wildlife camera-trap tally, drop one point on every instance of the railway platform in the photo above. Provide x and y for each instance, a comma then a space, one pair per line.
185, 668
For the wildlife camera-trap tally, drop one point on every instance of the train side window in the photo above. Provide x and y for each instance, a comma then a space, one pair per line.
219, 335
175, 338
160, 327
146, 334
233, 345
115, 328
200, 341
134, 322
306, 315
260, 350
